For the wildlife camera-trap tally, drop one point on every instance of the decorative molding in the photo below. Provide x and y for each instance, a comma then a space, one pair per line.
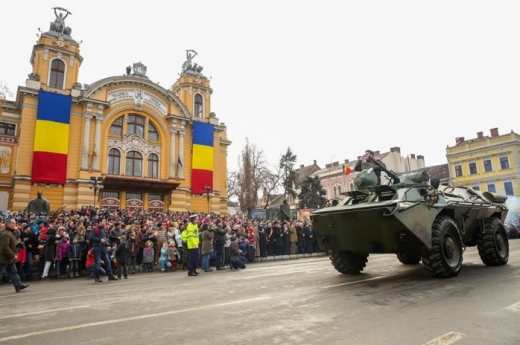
134, 143
149, 110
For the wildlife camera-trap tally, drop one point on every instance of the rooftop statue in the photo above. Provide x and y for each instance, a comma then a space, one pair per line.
191, 68
59, 23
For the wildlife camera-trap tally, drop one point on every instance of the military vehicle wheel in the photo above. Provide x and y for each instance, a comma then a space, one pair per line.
347, 262
409, 258
493, 245
444, 260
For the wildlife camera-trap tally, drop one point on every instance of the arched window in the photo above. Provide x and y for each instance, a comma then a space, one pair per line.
117, 127
197, 111
153, 166
114, 161
57, 74
339, 190
335, 191
135, 125
134, 164
153, 135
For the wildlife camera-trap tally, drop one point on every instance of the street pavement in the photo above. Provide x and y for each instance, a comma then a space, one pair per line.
297, 301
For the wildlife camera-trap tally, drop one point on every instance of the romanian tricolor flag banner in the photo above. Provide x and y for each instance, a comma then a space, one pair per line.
346, 170
202, 157
51, 138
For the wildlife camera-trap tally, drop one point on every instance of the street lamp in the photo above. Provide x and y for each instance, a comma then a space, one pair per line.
207, 189
95, 184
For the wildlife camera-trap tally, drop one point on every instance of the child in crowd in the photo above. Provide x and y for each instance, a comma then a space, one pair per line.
74, 256
173, 256
148, 257
63, 259
133, 250
121, 254
163, 258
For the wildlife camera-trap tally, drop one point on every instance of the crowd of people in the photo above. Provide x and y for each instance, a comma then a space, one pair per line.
117, 243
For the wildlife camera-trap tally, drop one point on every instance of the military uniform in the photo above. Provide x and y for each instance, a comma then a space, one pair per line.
360, 166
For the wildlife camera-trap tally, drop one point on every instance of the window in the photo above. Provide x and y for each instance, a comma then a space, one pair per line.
153, 135
508, 187
335, 191
57, 74
137, 196
197, 110
117, 127
135, 125
476, 187
504, 162
458, 170
339, 190
114, 161
134, 164
491, 188
159, 197
487, 165
114, 195
472, 168
153, 166
7, 128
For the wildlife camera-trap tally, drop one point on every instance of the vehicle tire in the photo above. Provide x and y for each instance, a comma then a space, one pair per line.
409, 258
444, 260
347, 262
493, 245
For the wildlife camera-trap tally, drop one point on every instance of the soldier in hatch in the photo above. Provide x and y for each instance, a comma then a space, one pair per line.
364, 164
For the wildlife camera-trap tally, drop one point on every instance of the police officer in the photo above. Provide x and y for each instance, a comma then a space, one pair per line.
192, 241
364, 164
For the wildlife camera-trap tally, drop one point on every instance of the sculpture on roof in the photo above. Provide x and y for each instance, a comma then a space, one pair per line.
191, 68
59, 23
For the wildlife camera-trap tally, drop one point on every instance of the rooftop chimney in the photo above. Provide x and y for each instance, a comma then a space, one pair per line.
395, 149
346, 161
314, 162
494, 132
302, 166
328, 165
459, 140
480, 135
420, 157
335, 164
412, 155
377, 153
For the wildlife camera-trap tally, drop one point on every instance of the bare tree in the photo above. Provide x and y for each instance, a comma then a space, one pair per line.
4, 93
271, 181
232, 184
250, 176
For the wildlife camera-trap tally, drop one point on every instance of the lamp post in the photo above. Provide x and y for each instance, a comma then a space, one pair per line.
207, 189
96, 183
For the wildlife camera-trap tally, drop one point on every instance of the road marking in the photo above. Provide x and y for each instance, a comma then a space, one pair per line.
43, 312
446, 339
26, 294
357, 281
513, 307
88, 294
126, 319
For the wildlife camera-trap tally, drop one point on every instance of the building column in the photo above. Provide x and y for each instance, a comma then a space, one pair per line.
97, 142
180, 173
173, 162
86, 142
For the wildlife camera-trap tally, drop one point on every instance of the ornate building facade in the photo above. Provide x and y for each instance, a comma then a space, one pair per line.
131, 134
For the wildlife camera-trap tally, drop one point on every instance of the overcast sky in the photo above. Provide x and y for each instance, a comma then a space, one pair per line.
327, 78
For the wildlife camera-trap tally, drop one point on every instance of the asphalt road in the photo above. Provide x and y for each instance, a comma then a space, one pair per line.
300, 301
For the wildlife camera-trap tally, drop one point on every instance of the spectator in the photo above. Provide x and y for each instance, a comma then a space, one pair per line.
8, 255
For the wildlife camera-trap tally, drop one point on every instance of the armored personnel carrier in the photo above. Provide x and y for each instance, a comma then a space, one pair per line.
414, 217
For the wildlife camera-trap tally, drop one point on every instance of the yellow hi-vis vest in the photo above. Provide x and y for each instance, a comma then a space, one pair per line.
192, 236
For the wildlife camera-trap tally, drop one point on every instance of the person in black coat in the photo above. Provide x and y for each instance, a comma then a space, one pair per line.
74, 256
49, 249
122, 252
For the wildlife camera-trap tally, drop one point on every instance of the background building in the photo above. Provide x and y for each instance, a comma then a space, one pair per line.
335, 182
149, 147
486, 163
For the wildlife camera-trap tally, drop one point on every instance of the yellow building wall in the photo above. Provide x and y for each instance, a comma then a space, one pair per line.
492, 148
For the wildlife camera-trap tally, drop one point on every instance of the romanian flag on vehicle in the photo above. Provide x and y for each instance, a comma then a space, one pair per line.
51, 138
202, 157
346, 170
